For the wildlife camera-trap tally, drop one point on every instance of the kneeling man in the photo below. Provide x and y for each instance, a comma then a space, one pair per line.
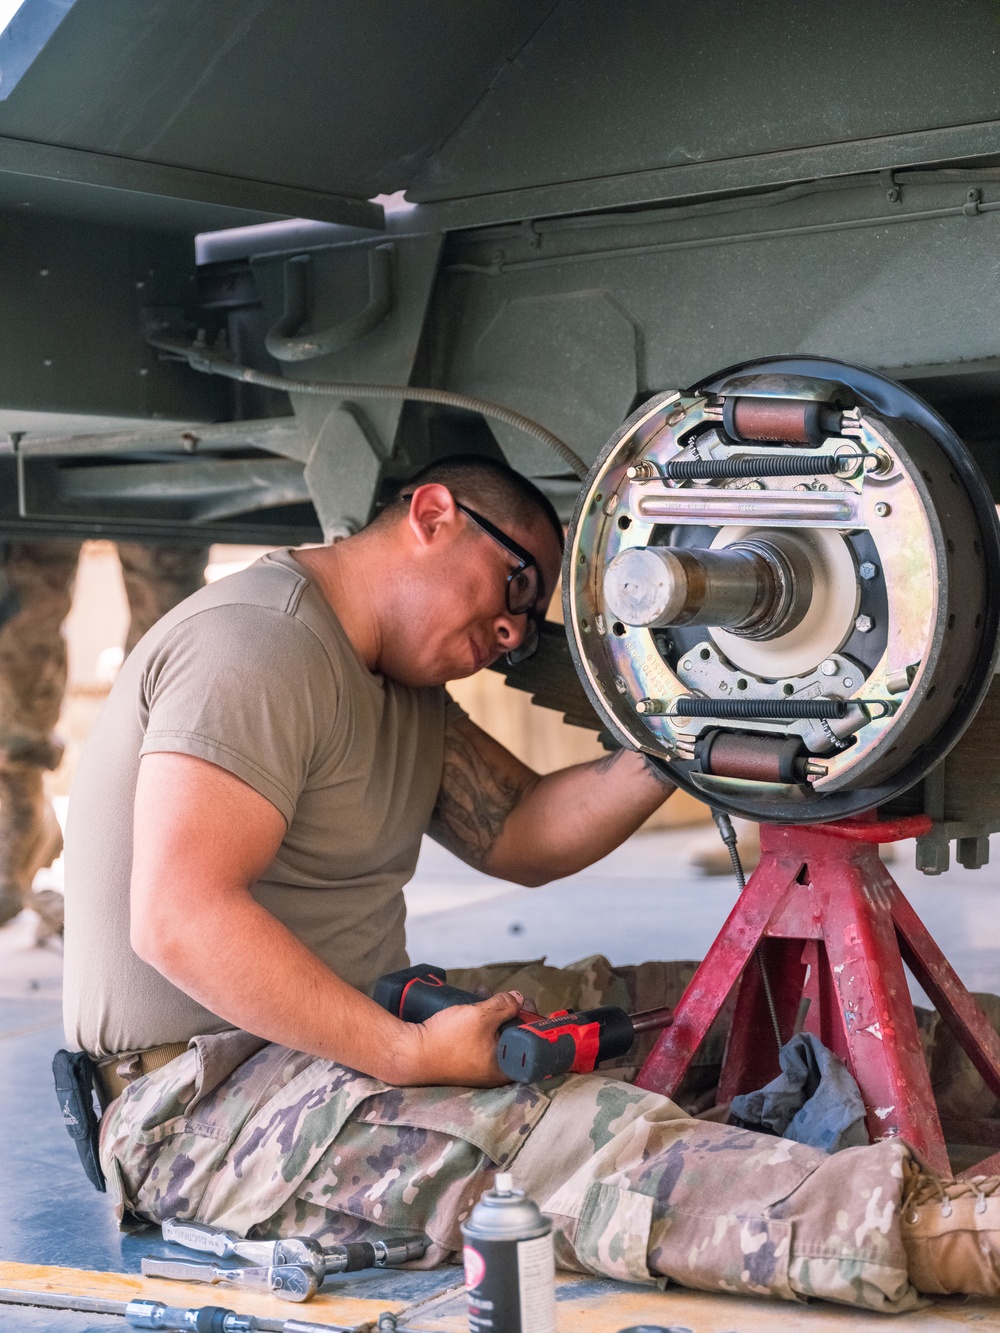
243, 821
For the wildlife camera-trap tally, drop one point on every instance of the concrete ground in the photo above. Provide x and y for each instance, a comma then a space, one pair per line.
642, 902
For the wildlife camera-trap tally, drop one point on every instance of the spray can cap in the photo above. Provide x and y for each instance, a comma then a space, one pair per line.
505, 1213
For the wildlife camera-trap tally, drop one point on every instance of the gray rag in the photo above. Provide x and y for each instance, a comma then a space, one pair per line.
814, 1100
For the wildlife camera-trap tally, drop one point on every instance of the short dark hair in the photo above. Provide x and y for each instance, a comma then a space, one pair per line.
486, 484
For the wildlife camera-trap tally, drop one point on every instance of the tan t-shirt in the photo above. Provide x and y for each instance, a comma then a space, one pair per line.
255, 674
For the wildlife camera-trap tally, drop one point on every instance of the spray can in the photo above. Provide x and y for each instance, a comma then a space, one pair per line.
509, 1265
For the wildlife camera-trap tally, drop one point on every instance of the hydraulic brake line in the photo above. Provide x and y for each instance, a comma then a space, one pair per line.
728, 835
211, 361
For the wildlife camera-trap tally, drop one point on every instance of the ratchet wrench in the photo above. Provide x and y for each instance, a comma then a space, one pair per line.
291, 1282
295, 1249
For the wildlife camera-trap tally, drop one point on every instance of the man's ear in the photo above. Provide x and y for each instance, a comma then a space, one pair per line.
433, 513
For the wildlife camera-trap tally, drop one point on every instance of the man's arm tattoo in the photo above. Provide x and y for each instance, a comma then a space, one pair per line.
607, 762
654, 770
474, 801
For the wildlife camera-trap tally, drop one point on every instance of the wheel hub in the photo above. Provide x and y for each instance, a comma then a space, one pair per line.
779, 589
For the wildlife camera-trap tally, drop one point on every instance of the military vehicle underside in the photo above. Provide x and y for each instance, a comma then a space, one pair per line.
587, 206
722, 278
610, 201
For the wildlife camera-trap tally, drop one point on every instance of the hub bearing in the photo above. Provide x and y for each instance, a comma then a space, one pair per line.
858, 575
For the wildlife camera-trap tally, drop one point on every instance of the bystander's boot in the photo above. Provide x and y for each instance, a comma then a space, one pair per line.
951, 1233
36, 581
156, 579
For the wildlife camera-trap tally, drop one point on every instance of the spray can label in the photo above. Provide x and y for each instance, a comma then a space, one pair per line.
510, 1285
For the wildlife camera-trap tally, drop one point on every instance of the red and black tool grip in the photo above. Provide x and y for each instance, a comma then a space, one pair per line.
564, 1043
415, 993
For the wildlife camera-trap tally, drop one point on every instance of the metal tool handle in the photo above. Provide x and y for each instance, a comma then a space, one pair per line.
200, 1236
182, 1270
225, 1244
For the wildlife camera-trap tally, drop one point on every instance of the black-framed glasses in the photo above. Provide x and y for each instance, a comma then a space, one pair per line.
525, 585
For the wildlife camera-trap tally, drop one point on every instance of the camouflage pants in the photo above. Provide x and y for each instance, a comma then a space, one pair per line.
36, 586
156, 578
263, 1140
36, 581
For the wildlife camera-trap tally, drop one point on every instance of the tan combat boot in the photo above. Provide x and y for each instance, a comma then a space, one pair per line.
951, 1232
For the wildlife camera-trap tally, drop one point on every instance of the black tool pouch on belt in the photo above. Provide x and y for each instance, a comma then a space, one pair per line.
74, 1075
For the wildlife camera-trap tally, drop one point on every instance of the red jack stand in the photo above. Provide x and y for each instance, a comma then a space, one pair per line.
821, 899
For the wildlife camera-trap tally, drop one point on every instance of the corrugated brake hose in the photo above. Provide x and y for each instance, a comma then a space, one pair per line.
212, 361
728, 835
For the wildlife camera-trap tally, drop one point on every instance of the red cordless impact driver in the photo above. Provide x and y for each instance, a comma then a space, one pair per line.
530, 1047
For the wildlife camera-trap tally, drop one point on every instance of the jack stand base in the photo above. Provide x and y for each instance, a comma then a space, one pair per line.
834, 928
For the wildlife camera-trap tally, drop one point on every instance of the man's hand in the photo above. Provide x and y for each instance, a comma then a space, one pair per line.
499, 816
458, 1046
202, 838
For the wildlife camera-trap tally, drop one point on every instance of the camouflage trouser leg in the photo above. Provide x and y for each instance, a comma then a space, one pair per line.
156, 579
633, 1188
36, 582
260, 1139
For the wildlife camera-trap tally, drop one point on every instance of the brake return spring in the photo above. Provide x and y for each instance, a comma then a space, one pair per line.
790, 465
687, 705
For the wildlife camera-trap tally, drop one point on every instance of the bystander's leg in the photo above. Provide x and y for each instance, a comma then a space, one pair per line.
156, 579
36, 583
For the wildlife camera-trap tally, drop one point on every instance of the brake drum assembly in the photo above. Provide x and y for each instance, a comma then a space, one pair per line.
778, 584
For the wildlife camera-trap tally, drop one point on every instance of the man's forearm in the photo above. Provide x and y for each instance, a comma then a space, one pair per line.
245, 966
203, 837
255, 973
569, 819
